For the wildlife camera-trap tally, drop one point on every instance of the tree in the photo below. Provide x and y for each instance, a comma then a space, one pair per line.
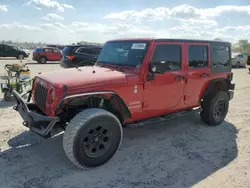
218, 39
242, 46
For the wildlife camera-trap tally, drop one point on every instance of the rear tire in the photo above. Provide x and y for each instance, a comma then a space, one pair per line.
214, 108
92, 137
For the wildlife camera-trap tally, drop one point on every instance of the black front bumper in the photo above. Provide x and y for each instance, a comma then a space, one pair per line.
33, 117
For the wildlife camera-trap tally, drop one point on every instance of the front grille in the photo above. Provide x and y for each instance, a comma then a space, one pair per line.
41, 96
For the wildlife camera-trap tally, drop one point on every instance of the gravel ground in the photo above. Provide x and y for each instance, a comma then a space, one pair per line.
178, 153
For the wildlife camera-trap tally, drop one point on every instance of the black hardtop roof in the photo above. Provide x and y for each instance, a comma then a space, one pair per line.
172, 40
192, 40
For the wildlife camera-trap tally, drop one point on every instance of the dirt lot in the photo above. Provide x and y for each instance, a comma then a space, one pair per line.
179, 153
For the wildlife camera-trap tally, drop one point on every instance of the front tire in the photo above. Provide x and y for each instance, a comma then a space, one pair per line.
20, 56
92, 137
42, 60
238, 64
214, 108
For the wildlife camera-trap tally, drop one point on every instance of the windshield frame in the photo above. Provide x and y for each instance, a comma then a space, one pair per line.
122, 64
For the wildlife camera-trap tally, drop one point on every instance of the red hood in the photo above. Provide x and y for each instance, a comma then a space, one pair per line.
84, 77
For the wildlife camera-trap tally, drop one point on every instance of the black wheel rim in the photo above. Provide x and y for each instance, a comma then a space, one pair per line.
96, 141
219, 110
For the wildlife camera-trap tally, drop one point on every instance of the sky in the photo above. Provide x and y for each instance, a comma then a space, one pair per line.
68, 21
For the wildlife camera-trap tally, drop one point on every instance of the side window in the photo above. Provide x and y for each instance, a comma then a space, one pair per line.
83, 50
240, 56
197, 56
8, 48
169, 53
48, 50
56, 51
220, 55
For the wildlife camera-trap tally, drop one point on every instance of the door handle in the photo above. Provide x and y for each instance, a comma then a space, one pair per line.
204, 75
179, 77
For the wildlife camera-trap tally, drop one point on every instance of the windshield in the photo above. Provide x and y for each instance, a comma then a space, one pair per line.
124, 53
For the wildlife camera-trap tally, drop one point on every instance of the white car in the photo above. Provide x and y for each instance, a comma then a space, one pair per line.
239, 60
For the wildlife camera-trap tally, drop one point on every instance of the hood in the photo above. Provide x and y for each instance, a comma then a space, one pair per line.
84, 77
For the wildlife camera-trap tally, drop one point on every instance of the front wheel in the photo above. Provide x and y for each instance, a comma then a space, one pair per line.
42, 60
215, 107
92, 137
20, 56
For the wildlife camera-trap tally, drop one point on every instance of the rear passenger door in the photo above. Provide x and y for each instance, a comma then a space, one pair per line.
198, 71
57, 55
49, 54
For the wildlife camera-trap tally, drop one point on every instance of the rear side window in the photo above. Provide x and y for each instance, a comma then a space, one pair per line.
198, 56
48, 50
56, 50
83, 50
220, 56
91, 51
169, 53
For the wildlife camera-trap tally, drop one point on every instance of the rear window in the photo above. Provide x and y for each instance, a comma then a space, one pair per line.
67, 49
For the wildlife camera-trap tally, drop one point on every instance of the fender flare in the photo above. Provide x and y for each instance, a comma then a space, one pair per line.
125, 113
212, 83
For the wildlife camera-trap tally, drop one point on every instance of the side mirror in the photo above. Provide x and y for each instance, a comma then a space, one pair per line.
158, 67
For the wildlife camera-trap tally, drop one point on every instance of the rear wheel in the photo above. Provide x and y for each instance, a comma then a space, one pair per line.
215, 107
92, 137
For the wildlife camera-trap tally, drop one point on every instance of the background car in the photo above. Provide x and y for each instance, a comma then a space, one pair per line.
12, 51
239, 60
79, 55
44, 54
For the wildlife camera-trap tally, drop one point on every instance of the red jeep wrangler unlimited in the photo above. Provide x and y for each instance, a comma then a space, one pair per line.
133, 80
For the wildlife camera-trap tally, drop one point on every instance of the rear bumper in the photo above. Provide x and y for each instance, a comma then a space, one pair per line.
230, 95
67, 64
33, 117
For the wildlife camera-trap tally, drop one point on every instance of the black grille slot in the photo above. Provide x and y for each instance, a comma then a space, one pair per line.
41, 96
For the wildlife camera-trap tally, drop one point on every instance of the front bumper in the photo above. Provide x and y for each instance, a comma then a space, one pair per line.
33, 117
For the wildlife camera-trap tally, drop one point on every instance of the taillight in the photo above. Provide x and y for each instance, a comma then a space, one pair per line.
70, 57
51, 95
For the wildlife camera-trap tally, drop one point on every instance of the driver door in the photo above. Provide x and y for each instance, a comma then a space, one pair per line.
164, 91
